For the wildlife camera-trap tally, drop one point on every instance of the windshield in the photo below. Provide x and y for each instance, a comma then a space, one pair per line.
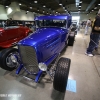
51, 23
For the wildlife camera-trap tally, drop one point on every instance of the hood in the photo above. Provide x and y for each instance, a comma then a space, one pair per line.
42, 34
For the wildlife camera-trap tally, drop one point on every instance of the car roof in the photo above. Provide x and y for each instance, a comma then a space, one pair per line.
56, 17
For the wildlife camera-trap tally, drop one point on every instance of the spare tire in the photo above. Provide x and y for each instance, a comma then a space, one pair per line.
61, 74
5, 59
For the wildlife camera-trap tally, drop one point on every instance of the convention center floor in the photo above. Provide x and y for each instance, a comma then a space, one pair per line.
83, 81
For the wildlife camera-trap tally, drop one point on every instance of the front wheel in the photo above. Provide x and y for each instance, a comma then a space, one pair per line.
9, 59
61, 74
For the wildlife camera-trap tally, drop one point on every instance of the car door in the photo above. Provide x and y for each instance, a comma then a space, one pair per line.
21, 31
12, 32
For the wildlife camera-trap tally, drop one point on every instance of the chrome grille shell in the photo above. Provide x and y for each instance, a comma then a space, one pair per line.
29, 58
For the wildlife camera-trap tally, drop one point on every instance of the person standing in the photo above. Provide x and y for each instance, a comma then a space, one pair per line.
88, 24
7, 22
95, 36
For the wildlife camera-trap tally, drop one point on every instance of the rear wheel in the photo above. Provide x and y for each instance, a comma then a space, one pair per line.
71, 40
9, 58
61, 74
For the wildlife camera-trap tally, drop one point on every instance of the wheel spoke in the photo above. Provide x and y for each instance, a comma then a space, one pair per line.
9, 61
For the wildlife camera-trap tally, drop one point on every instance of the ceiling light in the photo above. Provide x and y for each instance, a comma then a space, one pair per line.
35, 1
99, 4
6, 6
30, 7
56, 12
60, 4
95, 8
38, 10
49, 8
79, 6
44, 6
80, 1
20, 4
27, 11
92, 10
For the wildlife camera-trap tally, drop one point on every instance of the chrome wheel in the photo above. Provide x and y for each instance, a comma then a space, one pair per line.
12, 60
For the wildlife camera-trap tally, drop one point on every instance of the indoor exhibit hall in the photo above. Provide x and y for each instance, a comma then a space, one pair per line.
49, 49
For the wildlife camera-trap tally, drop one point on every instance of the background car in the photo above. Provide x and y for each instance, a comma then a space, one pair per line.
74, 28
10, 35
73, 32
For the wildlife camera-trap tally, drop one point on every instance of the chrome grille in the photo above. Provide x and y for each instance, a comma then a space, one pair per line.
29, 58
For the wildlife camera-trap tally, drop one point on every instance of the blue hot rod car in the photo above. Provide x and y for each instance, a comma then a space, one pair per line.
36, 52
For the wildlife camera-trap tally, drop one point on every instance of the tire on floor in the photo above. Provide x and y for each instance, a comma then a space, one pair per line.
3, 58
71, 40
61, 74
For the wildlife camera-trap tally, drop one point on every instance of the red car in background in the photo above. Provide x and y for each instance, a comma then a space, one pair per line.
10, 35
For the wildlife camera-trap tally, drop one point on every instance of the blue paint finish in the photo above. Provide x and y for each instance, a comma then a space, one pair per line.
44, 40
16, 56
46, 34
19, 69
38, 76
48, 42
57, 17
48, 61
71, 85
53, 43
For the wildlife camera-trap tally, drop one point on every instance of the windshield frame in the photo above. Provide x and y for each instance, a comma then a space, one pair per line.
51, 23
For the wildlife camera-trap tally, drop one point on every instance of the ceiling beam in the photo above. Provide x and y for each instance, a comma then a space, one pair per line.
90, 5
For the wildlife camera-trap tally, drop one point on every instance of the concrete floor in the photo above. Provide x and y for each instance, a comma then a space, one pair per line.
85, 70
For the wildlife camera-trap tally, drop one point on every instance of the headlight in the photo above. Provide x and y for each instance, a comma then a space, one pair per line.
13, 58
42, 66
